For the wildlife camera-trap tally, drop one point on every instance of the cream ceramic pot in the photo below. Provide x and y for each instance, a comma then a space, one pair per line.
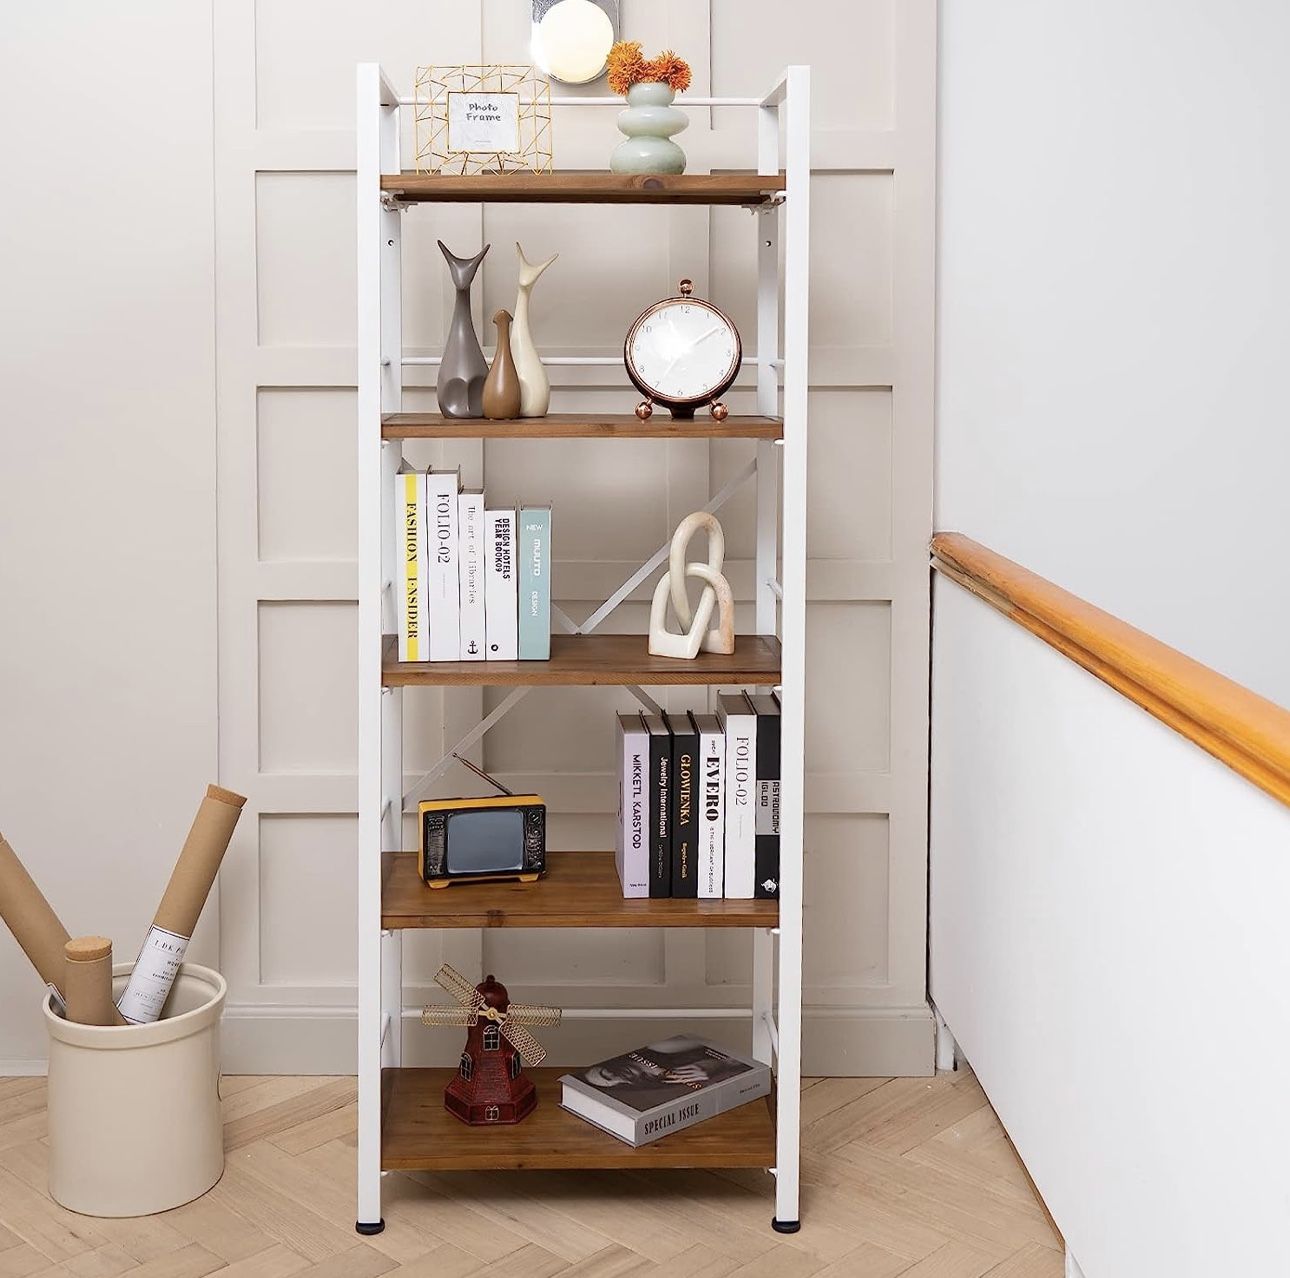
134, 1112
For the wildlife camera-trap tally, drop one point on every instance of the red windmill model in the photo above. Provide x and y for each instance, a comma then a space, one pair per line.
490, 1086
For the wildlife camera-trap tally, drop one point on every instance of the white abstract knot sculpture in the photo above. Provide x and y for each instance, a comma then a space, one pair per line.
695, 633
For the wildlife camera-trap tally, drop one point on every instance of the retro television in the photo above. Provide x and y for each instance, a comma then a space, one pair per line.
477, 840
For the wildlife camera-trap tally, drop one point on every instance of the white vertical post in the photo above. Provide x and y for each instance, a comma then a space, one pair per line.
797, 266
767, 549
767, 372
372, 468
392, 703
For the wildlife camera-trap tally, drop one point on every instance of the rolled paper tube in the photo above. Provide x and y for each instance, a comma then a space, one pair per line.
32, 920
87, 984
172, 927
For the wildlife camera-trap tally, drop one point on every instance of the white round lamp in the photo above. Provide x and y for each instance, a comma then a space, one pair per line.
572, 42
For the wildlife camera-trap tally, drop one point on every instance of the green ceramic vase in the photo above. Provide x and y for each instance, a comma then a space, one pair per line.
649, 123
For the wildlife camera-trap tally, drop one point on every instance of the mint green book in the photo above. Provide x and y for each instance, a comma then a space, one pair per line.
535, 583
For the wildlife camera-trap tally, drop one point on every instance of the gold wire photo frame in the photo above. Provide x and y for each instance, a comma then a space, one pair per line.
486, 119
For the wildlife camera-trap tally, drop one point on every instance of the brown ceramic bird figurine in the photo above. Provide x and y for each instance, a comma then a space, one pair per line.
502, 389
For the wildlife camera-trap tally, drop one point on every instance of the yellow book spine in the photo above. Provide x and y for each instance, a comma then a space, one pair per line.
411, 557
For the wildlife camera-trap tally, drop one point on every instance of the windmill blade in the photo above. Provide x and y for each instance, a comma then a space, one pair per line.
531, 1051
448, 1016
532, 1014
448, 978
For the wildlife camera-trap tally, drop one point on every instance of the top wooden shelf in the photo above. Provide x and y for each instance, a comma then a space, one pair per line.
585, 188
578, 426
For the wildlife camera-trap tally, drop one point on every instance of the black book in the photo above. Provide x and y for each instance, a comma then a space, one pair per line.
685, 817
660, 805
766, 803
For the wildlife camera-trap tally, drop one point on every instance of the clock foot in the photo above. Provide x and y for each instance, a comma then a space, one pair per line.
719, 411
644, 410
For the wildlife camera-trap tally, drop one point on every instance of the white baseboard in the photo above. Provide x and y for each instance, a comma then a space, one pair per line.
856, 1042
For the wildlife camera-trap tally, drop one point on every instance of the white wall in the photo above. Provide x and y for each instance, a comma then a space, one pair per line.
1108, 944
107, 513
1113, 326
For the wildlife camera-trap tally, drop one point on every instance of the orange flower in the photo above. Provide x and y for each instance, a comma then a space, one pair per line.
670, 70
627, 66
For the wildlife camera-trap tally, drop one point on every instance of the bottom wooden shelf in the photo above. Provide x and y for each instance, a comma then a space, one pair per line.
418, 1134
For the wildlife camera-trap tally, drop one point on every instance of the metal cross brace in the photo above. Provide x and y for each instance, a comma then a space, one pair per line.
567, 623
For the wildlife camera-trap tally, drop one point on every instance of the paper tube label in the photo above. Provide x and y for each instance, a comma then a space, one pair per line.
153, 975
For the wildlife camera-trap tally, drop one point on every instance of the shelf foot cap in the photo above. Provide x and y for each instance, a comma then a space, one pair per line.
785, 1226
369, 1231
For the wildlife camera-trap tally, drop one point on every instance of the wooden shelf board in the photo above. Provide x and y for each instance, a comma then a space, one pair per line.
580, 889
585, 188
583, 660
418, 1134
578, 426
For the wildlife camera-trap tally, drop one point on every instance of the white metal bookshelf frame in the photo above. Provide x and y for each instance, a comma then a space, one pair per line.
783, 121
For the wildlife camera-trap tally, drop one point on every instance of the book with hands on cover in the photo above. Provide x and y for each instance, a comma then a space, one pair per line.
655, 1090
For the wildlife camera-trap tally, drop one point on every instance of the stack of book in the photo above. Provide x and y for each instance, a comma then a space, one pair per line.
473, 583
698, 801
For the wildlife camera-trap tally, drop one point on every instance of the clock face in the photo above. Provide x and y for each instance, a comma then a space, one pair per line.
684, 350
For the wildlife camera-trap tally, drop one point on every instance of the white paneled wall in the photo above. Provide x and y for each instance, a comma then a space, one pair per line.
107, 467
284, 214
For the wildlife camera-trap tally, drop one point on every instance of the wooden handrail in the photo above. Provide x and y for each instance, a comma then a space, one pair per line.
1243, 730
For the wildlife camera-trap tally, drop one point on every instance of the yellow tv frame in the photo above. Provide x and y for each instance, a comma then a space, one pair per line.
534, 863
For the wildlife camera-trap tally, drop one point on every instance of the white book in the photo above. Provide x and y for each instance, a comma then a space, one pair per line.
442, 588
712, 811
501, 591
410, 555
470, 574
740, 726
631, 845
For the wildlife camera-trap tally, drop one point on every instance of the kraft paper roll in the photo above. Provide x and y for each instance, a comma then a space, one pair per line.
172, 926
87, 984
31, 919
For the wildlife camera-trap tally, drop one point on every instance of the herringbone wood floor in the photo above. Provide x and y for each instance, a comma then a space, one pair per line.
900, 1176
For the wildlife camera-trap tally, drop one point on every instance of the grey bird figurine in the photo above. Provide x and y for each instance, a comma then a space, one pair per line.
464, 369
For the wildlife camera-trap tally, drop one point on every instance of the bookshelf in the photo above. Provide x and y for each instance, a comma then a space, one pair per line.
402, 1123
583, 892
578, 426
579, 661
746, 189
420, 1135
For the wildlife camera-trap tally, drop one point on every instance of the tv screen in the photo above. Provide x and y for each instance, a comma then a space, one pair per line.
487, 840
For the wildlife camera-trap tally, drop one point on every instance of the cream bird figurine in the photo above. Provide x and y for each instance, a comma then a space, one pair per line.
535, 386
